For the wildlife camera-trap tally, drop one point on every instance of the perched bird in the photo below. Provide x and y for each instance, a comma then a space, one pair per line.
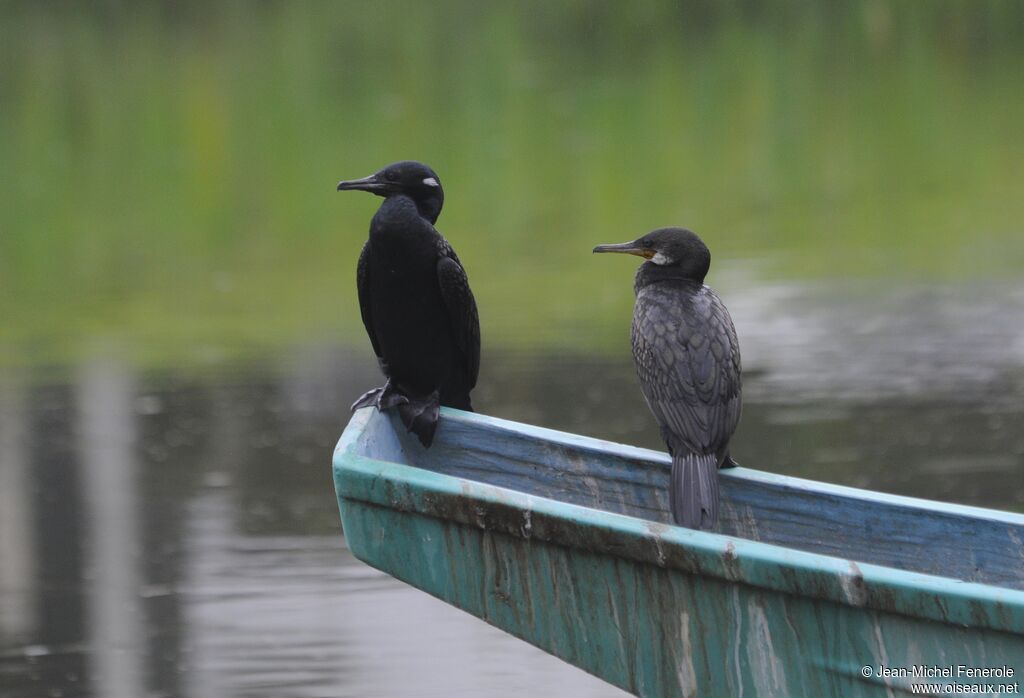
415, 301
688, 360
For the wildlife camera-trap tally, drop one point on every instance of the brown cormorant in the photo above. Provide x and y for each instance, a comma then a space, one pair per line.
415, 301
688, 361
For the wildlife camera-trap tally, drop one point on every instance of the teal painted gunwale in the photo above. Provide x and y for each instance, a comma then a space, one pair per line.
415, 490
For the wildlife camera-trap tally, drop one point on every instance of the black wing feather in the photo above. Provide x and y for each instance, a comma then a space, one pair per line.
461, 306
363, 288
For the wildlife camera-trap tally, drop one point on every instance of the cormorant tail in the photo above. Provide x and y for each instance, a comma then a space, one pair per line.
693, 492
419, 415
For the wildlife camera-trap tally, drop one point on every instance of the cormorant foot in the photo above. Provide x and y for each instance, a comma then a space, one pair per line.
368, 399
389, 397
381, 398
420, 417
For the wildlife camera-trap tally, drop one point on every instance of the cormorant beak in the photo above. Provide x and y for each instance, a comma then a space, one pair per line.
627, 248
371, 184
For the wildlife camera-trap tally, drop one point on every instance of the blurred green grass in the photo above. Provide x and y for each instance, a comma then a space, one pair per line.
169, 168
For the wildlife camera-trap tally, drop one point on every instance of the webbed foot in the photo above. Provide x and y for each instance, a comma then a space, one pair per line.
729, 462
367, 399
382, 398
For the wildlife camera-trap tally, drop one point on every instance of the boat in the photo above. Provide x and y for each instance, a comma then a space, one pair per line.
805, 589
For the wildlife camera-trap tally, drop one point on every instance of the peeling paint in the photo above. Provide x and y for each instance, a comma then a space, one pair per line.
881, 652
853, 587
687, 676
731, 563
527, 527
768, 671
738, 620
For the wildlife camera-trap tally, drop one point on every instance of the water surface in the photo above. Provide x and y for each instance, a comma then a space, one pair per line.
176, 533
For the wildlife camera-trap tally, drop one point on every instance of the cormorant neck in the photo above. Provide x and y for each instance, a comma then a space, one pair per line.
651, 273
429, 208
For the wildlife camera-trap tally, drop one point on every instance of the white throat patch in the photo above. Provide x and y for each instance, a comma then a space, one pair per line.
661, 259
430, 182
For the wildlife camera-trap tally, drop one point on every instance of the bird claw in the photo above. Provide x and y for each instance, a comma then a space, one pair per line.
382, 398
391, 399
420, 417
368, 399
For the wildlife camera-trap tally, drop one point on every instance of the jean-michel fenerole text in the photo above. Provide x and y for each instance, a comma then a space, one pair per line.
952, 671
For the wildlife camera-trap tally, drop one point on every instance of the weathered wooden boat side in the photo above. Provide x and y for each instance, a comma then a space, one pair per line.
563, 541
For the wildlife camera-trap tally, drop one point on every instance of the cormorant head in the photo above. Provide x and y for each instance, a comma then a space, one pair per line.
408, 178
669, 247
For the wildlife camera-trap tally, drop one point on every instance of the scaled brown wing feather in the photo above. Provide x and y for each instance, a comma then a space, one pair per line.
461, 306
699, 403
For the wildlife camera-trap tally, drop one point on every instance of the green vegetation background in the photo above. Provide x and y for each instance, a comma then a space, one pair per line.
168, 169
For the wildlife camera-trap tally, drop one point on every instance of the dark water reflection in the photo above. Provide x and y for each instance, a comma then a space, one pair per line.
177, 533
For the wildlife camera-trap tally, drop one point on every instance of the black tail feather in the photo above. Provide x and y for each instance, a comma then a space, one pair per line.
693, 490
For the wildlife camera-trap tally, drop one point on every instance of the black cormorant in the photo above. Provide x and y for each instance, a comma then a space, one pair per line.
688, 360
415, 301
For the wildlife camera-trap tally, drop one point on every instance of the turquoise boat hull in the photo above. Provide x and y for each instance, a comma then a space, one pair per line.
806, 589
